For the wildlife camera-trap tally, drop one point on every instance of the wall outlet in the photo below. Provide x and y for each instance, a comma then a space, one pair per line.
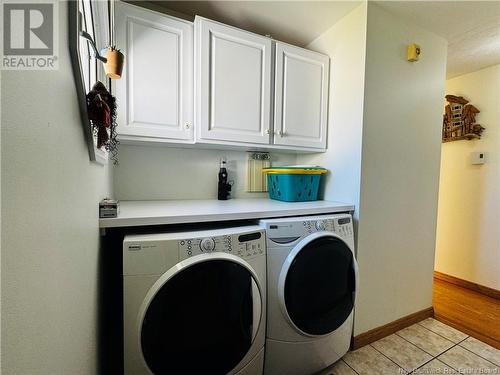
477, 157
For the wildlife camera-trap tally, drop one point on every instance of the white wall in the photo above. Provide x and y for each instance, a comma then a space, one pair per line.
50, 236
345, 43
149, 173
399, 171
468, 237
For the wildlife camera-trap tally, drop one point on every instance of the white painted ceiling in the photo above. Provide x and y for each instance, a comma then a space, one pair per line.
472, 28
294, 22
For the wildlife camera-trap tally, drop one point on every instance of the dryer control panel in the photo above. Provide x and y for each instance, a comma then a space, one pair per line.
342, 226
283, 231
244, 245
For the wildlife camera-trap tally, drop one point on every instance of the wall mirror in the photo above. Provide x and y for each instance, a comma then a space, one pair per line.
94, 18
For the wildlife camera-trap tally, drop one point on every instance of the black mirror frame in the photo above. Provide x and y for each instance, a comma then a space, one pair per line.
95, 155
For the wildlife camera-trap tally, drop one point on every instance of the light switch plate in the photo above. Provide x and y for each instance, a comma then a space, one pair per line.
256, 180
477, 157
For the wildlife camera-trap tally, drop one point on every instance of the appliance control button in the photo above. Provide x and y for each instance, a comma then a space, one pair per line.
207, 244
320, 225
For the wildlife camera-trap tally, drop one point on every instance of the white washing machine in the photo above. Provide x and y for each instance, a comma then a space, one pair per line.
312, 278
195, 302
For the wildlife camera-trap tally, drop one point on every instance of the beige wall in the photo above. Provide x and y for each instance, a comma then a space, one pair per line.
345, 43
399, 170
0, 223
383, 154
50, 236
49, 253
468, 230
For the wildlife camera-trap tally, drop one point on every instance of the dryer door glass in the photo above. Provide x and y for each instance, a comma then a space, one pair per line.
319, 286
201, 321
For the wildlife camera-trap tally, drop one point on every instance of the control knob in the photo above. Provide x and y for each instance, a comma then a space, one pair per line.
320, 225
207, 244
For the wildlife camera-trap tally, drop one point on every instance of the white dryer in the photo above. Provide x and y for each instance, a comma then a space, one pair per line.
311, 284
195, 302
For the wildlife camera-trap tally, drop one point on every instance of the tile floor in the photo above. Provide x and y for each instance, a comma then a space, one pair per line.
428, 347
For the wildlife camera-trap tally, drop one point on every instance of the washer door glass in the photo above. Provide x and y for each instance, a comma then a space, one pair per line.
319, 286
202, 320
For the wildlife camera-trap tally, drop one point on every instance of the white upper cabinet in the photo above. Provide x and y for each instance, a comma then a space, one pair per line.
210, 83
233, 84
155, 93
301, 97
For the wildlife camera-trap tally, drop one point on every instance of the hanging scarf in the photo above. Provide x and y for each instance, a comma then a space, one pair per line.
101, 109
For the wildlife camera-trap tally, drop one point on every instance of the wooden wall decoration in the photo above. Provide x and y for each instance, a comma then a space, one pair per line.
459, 120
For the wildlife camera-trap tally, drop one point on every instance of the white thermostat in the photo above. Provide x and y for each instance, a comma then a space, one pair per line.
477, 157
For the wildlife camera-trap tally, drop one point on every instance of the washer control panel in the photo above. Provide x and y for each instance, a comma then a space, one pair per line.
244, 245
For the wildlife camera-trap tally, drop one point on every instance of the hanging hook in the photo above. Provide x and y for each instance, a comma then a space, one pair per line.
98, 56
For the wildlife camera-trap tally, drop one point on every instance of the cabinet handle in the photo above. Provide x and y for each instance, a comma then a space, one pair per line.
281, 133
187, 125
268, 131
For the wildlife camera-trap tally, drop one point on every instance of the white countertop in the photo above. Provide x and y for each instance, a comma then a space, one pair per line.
140, 213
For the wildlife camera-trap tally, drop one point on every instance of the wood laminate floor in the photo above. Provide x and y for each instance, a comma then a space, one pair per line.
468, 311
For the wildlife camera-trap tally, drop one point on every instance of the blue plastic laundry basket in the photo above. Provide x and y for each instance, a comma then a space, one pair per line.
294, 184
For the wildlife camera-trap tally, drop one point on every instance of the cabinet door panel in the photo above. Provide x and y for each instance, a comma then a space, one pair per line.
233, 84
301, 97
155, 93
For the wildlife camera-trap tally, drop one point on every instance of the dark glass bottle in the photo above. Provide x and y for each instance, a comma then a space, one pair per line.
224, 188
